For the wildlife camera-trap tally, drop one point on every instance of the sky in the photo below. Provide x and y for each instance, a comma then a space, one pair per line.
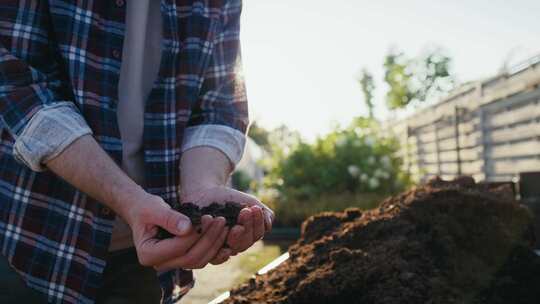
301, 57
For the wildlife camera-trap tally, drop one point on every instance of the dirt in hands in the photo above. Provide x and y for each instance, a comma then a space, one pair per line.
444, 242
229, 211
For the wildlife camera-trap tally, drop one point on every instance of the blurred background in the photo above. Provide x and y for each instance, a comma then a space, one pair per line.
352, 101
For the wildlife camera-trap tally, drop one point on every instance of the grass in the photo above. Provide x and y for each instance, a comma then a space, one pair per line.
292, 213
251, 262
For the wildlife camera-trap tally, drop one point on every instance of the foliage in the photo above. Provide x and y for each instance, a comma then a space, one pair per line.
357, 159
241, 180
282, 139
368, 86
259, 135
291, 213
418, 79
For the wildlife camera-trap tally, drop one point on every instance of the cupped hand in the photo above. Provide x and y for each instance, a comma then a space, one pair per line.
253, 221
188, 249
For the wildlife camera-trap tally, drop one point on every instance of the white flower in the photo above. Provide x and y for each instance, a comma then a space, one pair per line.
364, 177
373, 183
370, 141
381, 173
386, 162
358, 131
371, 160
357, 143
353, 170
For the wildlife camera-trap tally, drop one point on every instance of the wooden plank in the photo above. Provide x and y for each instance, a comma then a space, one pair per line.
528, 148
448, 156
519, 132
516, 115
514, 166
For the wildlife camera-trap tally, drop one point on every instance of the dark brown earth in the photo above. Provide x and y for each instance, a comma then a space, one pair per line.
229, 211
445, 242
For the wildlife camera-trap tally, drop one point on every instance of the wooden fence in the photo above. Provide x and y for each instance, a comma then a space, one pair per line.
488, 129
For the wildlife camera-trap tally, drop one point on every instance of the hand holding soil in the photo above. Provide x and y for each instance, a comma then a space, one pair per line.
245, 217
253, 221
188, 249
229, 211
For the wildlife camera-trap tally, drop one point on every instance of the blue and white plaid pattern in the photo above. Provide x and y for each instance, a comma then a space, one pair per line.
70, 51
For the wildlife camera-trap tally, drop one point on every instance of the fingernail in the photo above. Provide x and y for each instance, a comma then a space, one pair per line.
268, 220
222, 220
183, 226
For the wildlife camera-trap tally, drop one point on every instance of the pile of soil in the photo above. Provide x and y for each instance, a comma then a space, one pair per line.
229, 211
444, 242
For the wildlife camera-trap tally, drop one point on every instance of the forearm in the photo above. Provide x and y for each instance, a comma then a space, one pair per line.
203, 167
85, 165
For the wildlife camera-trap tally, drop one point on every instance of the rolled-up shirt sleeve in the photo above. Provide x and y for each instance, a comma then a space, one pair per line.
219, 117
223, 138
50, 131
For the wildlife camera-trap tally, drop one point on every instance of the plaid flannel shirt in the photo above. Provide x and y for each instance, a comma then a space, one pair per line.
57, 51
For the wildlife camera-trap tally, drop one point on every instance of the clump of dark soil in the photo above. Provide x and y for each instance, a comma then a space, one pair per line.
229, 211
445, 242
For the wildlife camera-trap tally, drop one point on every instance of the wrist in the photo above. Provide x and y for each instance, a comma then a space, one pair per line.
203, 168
194, 190
128, 200
191, 184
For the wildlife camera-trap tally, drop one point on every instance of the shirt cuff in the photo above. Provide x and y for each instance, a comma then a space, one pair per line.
226, 139
49, 132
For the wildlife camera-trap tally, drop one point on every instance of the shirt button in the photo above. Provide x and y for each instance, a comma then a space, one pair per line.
116, 54
105, 211
120, 3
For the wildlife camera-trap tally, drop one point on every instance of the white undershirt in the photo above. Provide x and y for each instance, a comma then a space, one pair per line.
140, 65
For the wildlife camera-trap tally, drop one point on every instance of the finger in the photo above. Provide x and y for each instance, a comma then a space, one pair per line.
268, 220
195, 254
153, 251
245, 219
212, 253
206, 221
164, 216
223, 256
268, 213
258, 223
234, 238
242, 198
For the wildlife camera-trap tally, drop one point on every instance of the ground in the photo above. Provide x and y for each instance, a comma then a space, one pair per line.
214, 280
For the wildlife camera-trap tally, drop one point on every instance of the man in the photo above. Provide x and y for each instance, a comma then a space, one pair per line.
109, 111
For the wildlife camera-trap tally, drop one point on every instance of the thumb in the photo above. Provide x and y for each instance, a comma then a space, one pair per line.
172, 221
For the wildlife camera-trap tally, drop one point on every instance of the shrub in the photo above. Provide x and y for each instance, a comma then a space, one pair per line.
291, 213
241, 181
350, 167
357, 159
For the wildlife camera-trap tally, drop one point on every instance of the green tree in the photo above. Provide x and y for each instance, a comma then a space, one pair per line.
416, 80
368, 86
397, 78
